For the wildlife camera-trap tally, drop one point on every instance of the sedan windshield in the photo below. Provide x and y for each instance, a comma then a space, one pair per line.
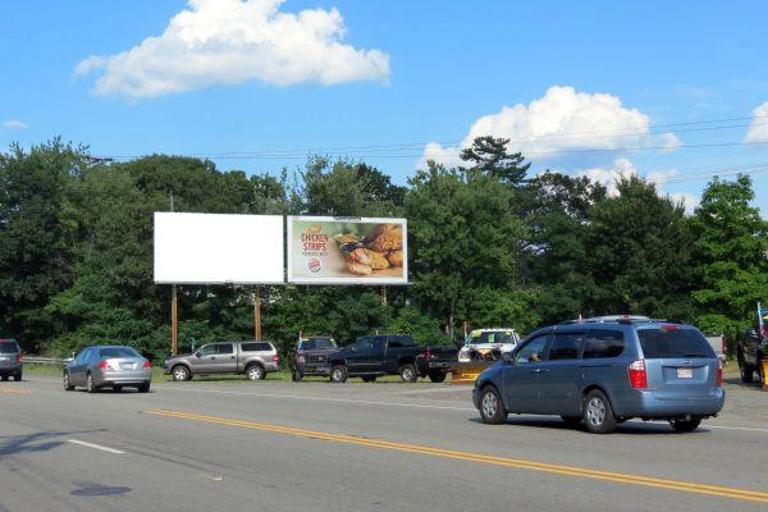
118, 352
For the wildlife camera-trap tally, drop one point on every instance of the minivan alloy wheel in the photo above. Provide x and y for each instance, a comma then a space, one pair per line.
490, 405
596, 411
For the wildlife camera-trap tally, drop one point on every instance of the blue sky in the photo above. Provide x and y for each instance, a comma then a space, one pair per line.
401, 73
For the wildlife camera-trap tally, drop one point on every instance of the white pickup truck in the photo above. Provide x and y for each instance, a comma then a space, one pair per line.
488, 344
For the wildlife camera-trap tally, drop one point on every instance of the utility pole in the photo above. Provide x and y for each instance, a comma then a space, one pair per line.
257, 314
174, 308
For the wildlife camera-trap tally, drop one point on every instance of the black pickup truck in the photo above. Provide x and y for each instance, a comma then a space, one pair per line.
384, 354
751, 349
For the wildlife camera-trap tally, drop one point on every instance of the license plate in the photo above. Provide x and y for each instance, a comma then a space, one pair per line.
4, 358
684, 373
127, 366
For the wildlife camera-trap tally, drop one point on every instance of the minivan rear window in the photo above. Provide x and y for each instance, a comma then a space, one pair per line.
674, 343
8, 347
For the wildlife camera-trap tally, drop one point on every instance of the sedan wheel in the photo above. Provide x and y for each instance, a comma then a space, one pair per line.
67, 385
89, 386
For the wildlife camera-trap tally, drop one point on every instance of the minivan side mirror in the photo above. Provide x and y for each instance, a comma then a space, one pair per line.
508, 357
197, 354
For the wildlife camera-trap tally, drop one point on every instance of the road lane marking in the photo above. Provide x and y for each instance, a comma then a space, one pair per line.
323, 399
416, 406
96, 446
11, 391
574, 471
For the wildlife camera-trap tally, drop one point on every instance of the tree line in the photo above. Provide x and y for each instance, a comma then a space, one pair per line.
490, 245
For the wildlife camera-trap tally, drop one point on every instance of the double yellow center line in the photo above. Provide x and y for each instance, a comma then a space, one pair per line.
574, 471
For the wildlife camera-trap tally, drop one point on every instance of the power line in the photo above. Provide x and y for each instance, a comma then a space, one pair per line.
527, 152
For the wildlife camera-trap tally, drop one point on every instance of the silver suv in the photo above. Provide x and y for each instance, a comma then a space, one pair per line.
11, 359
253, 358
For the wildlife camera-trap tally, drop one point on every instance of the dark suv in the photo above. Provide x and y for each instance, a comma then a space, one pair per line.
11, 360
605, 372
311, 356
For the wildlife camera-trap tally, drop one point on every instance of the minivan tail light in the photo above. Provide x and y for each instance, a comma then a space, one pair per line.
638, 378
19, 358
719, 379
103, 364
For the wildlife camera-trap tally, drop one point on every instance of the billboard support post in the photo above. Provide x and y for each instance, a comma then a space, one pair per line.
257, 314
174, 321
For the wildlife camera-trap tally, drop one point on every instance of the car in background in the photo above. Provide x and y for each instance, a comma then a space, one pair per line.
751, 350
254, 359
113, 366
488, 344
310, 357
11, 360
604, 373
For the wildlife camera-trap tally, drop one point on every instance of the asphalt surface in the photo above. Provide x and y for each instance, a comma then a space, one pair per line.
315, 446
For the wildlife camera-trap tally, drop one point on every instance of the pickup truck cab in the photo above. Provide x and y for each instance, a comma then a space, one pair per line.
311, 357
253, 358
372, 356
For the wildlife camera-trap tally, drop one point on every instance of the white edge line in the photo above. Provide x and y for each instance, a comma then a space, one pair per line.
96, 446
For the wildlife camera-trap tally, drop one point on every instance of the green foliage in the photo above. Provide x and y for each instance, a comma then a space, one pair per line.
731, 244
639, 253
488, 247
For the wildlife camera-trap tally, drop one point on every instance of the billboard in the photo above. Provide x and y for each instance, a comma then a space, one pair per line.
202, 248
332, 250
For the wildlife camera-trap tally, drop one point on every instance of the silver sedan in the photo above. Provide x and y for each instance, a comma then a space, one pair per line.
112, 366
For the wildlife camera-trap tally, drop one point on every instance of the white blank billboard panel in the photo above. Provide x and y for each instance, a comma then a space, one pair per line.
201, 248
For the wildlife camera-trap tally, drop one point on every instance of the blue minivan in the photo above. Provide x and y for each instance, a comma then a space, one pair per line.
604, 372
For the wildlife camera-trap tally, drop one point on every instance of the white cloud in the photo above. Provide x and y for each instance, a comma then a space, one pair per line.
623, 168
669, 142
689, 201
449, 156
758, 130
215, 42
562, 120
14, 124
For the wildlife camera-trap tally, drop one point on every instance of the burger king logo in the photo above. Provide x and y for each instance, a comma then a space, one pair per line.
314, 265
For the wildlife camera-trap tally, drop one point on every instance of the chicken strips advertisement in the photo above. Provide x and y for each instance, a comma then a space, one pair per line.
328, 250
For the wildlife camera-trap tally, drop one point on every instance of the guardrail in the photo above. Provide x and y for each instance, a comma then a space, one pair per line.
43, 360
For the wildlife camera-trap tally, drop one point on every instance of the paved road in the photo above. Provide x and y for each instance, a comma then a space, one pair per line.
312, 446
